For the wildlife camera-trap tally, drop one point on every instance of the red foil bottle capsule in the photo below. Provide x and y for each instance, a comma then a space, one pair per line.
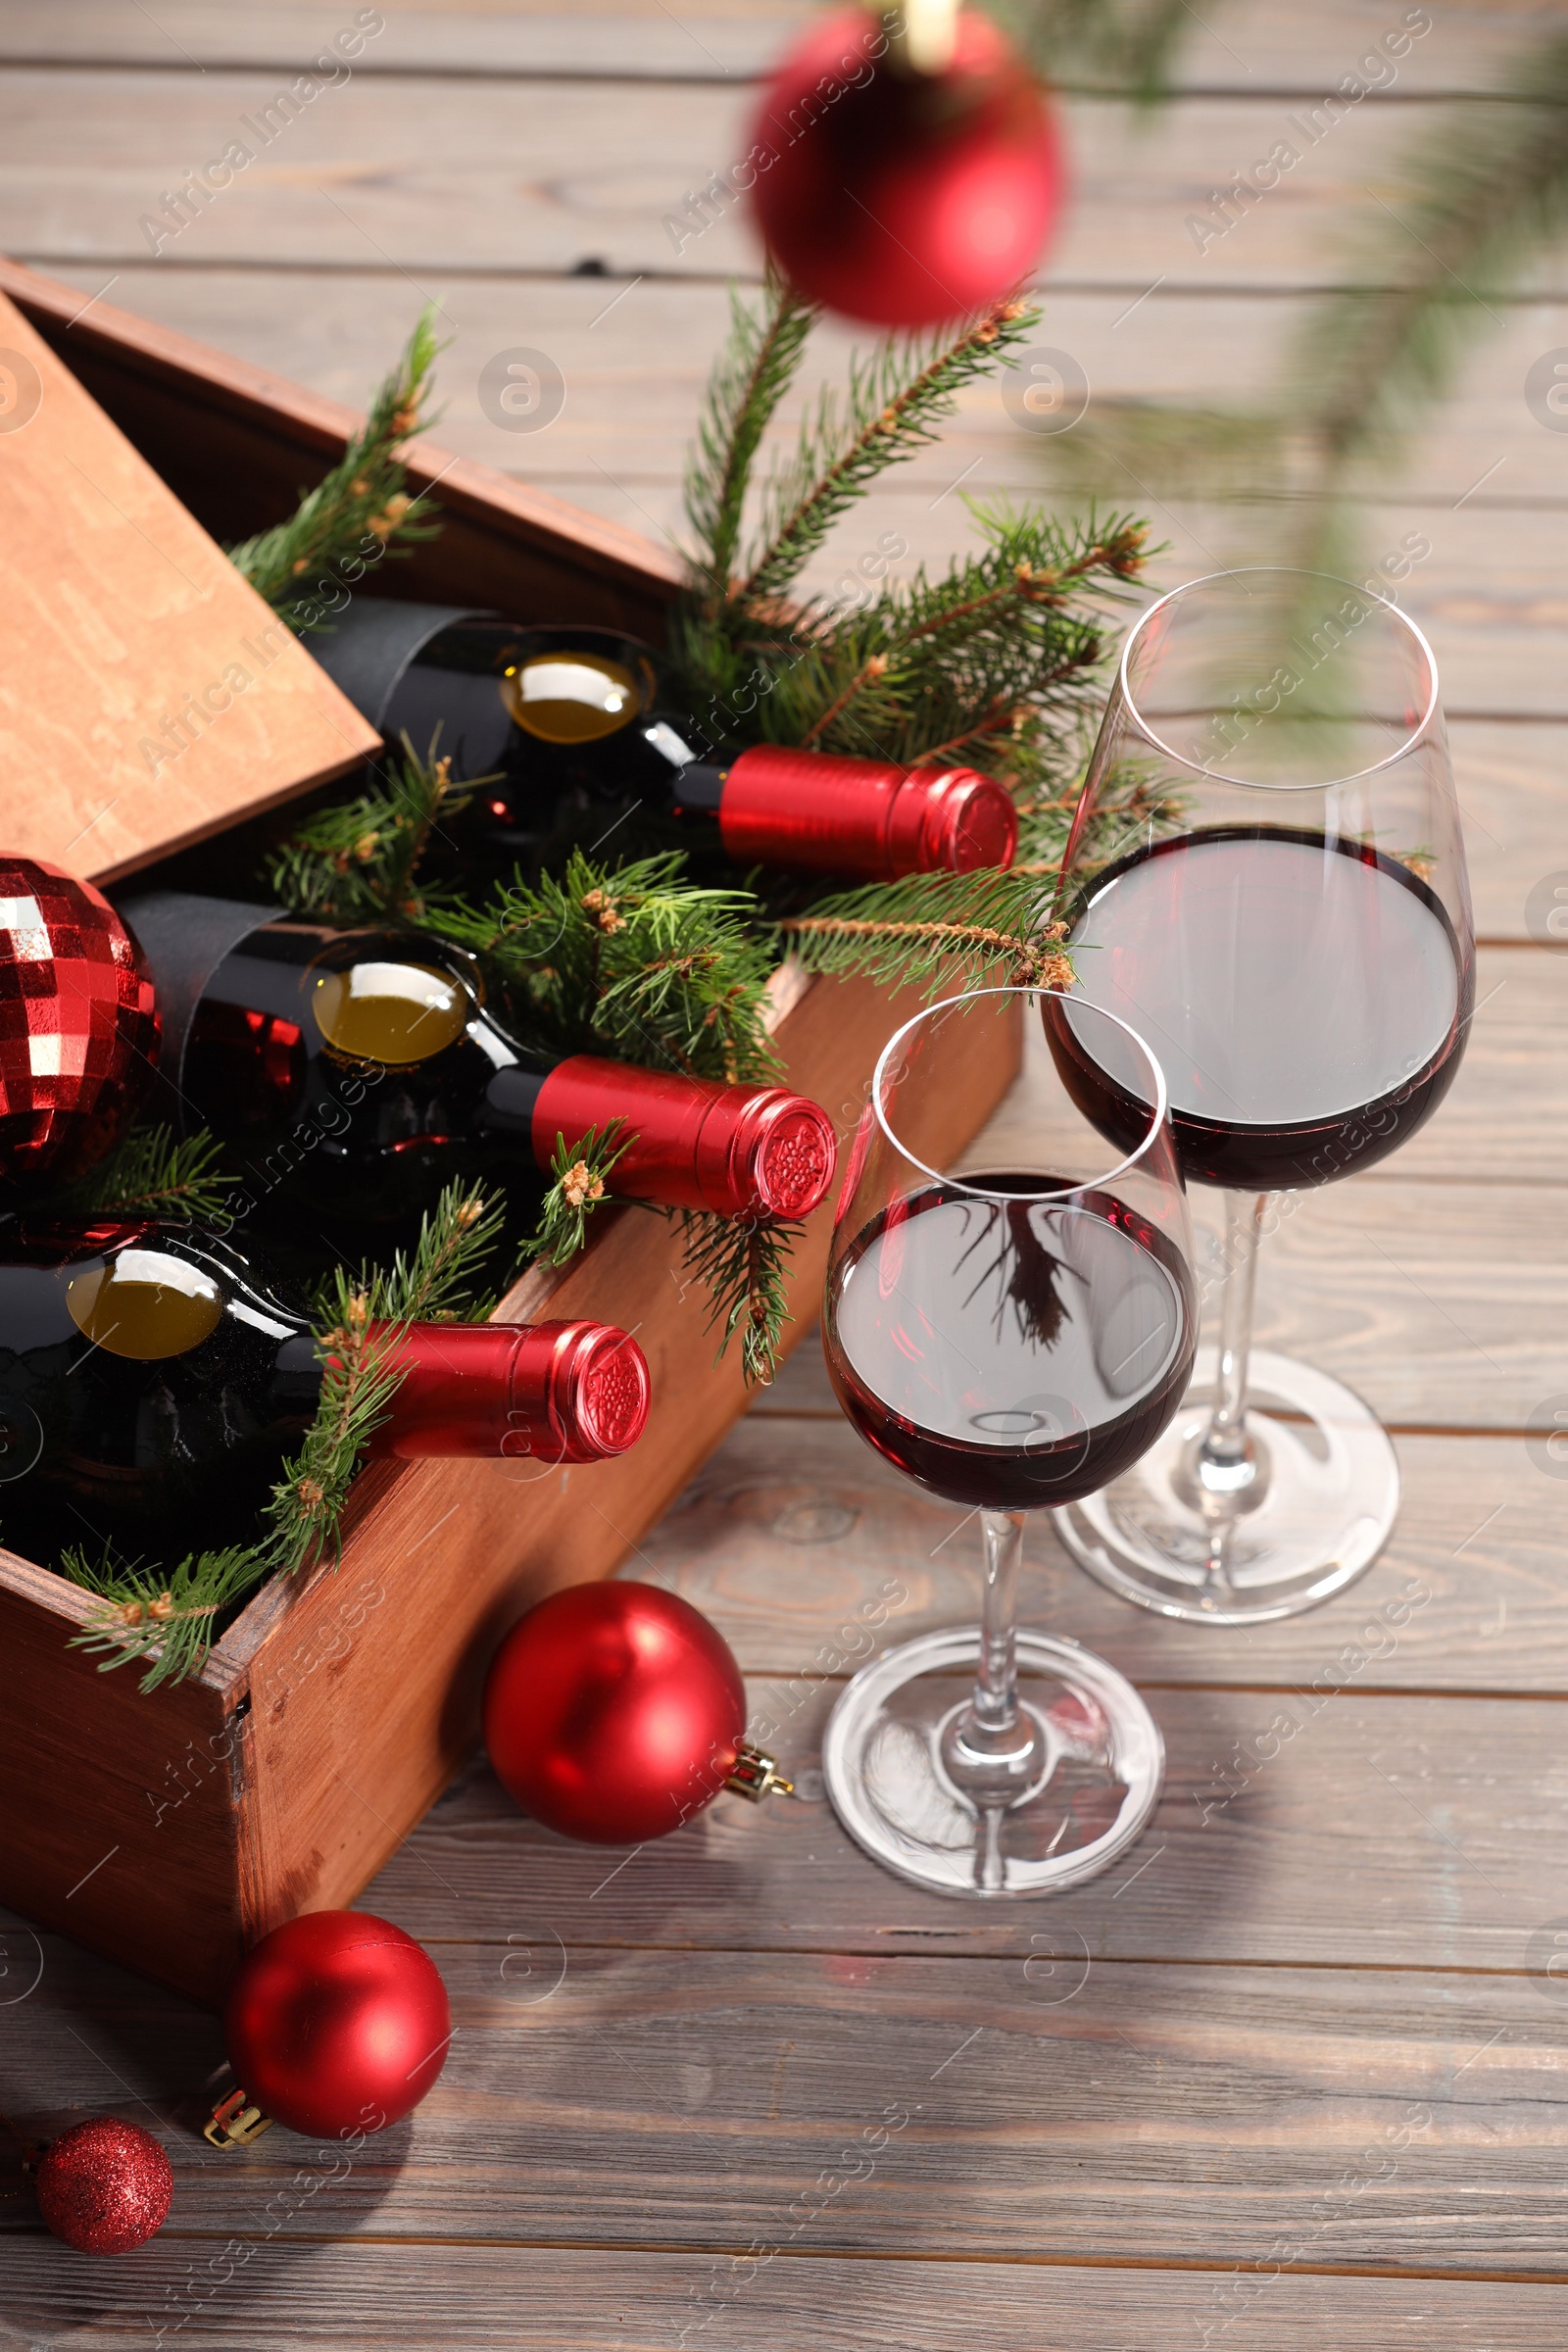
560, 1392
860, 817
744, 1151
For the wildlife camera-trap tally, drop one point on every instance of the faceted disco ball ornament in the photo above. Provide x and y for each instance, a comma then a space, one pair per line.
78, 1029
906, 198
104, 2187
338, 2023
614, 1712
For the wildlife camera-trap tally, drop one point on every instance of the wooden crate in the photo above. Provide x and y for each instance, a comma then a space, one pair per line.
171, 1831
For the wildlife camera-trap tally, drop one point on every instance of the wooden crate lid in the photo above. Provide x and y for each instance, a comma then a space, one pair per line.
148, 696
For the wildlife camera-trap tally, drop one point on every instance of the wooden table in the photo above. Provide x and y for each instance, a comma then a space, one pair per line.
1288, 2078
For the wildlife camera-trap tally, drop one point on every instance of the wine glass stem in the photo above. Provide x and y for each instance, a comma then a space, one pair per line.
1224, 1455
996, 1689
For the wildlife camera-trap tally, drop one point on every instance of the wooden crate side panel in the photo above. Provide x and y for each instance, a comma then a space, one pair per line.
238, 445
366, 1684
118, 1809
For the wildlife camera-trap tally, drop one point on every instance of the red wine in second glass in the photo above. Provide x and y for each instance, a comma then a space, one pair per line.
1013, 1354
1306, 998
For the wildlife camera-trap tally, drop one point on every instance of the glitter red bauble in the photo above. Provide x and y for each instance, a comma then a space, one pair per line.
78, 1030
613, 1712
906, 199
338, 2023
105, 2187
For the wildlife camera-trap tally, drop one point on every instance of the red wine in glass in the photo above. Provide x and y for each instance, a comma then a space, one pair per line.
1007, 1351
1307, 997
1009, 1336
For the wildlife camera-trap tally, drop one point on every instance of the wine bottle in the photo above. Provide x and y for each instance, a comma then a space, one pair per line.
358, 1071
152, 1380
580, 724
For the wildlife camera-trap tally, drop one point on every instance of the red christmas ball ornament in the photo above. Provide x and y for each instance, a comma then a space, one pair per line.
78, 1030
906, 183
104, 2186
614, 1712
337, 2023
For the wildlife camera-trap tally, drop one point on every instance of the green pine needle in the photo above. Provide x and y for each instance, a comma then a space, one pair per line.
743, 1265
164, 1615
151, 1173
358, 861
168, 1615
581, 1173
750, 379
632, 961
307, 566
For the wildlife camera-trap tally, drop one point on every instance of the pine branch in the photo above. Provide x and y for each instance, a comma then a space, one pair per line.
169, 1616
749, 379
895, 400
1122, 47
581, 1171
166, 1616
938, 931
360, 512
357, 862
743, 1265
358, 1335
632, 961
151, 1173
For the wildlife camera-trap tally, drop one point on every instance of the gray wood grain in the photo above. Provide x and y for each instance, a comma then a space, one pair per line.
1406, 1832
438, 176
530, 2298
795, 1533
1235, 47
1040, 2104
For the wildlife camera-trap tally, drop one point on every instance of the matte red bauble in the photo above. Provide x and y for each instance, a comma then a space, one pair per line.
105, 2187
338, 2023
614, 1712
907, 199
78, 1032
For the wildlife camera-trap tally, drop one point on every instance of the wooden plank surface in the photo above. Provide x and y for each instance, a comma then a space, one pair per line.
431, 174
1232, 47
1153, 2113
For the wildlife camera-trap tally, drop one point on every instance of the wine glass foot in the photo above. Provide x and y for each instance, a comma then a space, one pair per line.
1314, 1516
1101, 1763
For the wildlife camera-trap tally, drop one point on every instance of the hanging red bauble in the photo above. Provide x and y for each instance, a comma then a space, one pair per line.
908, 198
78, 1032
614, 1712
104, 2186
337, 2023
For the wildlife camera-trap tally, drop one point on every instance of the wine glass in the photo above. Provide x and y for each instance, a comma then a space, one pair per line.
1010, 1337
1266, 875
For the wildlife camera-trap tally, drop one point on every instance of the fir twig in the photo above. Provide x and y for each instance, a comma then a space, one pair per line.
162, 1615
937, 931
742, 1265
169, 1616
580, 1173
749, 381
151, 1173
357, 862
364, 1317
360, 512
633, 961
893, 406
